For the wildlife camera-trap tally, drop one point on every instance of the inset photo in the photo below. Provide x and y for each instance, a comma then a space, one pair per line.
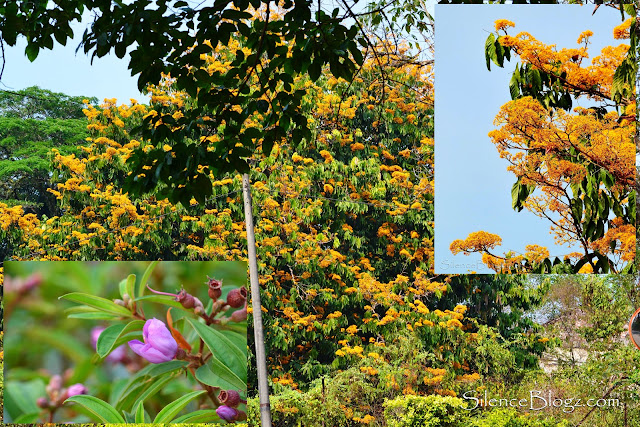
125, 342
534, 139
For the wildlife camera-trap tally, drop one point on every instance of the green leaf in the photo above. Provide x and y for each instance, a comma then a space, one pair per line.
20, 397
101, 304
140, 413
515, 196
591, 227
202, 188
145, 376
84, 312
490, 50
315, 69
238, 338
535, 79
32, 51
130, 286
146, 391
222, 348
145, 278
200, 416
576, 209
161, 299
110, 335
172, 409
27, 418
514, 89
101, 409
499, 58
219, 376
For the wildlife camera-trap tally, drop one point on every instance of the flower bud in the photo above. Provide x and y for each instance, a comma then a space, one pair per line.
239, 315
237, 297
229, 398
128, 302
55, 384
187, 300
242, 416
31, 282
159, 346
227, 413
42, 402
119, 302
76, 389
215, 288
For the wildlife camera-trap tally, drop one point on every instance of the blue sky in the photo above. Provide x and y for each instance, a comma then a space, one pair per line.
62, 70
472, 185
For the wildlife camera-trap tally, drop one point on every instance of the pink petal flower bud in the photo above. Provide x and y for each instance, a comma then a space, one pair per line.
159, 346
227, 413
76, 389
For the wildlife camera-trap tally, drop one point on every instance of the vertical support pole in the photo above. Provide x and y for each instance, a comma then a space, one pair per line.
261, 359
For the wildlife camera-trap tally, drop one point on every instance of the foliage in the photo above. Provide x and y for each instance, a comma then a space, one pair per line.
510, 418
121, 386
277, 44
344, 232
589, 312
32, 122
575, 170
427, 411
344, 227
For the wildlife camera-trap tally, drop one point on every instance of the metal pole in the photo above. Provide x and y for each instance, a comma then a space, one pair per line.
261, 359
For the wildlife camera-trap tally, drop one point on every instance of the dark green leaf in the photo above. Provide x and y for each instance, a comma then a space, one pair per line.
490, 50
222, 348
32, 51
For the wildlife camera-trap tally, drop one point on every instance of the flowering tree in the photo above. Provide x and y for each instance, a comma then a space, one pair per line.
575, 167
32, 121
344, 228
172, 38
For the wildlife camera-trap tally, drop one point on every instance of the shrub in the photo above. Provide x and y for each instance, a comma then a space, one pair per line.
510, 418
426, 411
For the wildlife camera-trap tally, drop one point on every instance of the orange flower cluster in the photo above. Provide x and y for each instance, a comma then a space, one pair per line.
552, 152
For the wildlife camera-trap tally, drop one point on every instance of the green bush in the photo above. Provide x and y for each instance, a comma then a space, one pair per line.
292, 408
426, 411
510, 418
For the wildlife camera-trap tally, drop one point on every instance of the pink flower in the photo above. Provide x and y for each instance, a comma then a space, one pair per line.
227, 413
159, 346
76, 389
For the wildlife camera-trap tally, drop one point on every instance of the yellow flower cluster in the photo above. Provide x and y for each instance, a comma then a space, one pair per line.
501, 24
477, 241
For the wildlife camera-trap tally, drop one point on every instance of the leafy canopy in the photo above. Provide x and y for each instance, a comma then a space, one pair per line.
277, 43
